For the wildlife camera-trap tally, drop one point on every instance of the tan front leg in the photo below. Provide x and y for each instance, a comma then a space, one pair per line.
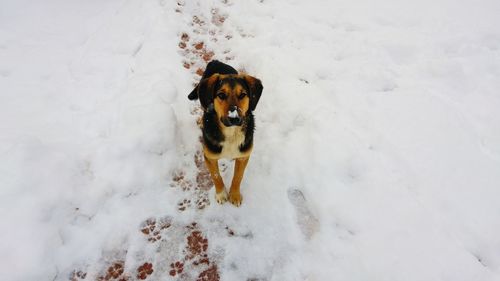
220, 191
239, 169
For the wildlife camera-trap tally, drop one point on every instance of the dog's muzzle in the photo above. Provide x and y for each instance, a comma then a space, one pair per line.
233, 118
228, 121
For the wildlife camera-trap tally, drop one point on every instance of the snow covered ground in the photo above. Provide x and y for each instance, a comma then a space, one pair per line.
377, 150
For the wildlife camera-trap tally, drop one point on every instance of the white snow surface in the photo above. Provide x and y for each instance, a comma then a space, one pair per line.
232, 114
376, 154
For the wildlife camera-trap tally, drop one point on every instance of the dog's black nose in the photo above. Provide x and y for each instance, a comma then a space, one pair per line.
233, 108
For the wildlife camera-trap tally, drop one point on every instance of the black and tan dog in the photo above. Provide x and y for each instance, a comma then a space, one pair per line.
228, 100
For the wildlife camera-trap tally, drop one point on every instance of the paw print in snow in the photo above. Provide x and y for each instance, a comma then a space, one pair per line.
203, 178
179, 179
202, 52
180, 5
197, 21
202, 259
197, 245
202, 202
184, 204
176, 268
210, 274
114, 272
144, 271
153, 228
217, 18
78, 275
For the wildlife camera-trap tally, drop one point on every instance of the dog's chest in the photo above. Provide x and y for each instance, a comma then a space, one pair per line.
233, 138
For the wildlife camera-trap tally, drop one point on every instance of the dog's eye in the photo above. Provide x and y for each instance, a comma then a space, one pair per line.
222, 96
242, 95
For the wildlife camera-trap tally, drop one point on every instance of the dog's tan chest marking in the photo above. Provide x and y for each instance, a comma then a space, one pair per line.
234, 137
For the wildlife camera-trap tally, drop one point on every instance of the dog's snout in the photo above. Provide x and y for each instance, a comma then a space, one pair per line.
233, 112
235, 121
233, 117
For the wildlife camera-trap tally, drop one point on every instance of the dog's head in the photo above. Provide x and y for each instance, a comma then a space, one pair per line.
232, 96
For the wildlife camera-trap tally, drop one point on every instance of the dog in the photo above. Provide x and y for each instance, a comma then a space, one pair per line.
228, 100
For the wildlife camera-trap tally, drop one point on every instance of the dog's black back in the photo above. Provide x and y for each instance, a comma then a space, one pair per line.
213, 67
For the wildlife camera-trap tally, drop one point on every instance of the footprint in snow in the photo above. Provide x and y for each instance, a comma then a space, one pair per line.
306, 221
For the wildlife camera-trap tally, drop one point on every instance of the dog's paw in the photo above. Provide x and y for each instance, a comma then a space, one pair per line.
235, 198
221, 197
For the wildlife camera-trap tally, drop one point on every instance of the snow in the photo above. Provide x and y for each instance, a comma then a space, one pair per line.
232, 114
376, 155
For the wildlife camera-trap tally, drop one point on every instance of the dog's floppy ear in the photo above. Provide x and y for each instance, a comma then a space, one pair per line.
206, 90
255, 87
194, 94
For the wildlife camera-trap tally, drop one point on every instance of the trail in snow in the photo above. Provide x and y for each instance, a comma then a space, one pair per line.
182, 249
